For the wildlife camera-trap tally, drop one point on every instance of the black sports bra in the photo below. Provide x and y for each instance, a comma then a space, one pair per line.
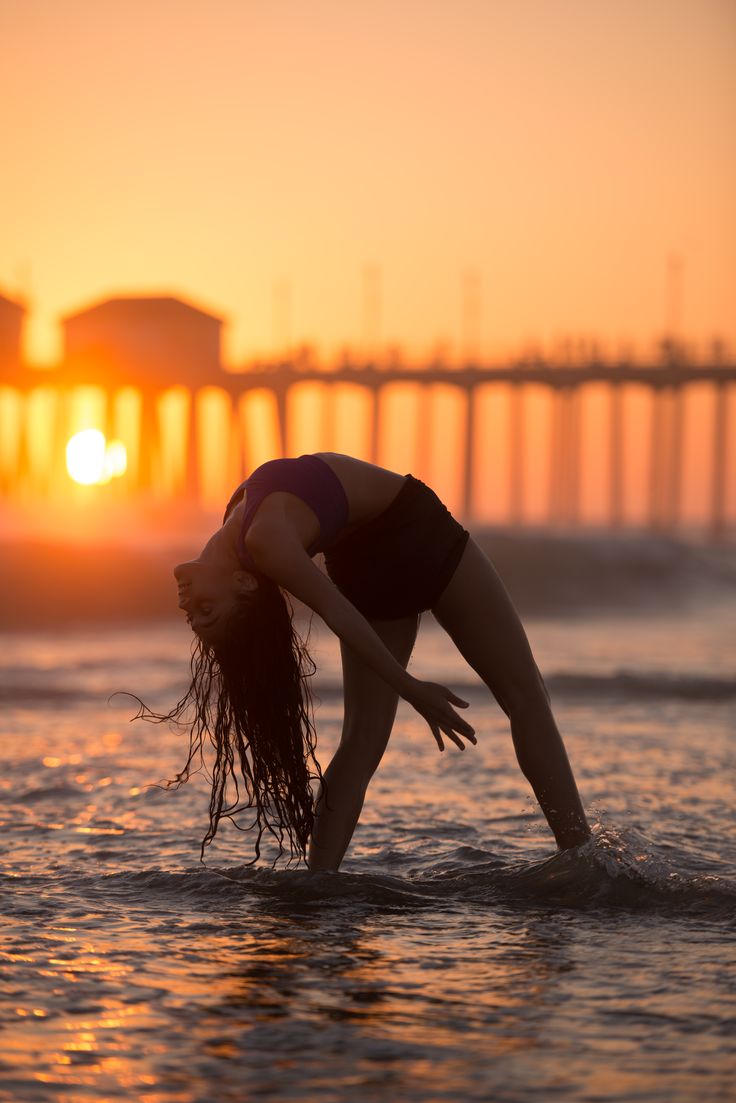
310, 479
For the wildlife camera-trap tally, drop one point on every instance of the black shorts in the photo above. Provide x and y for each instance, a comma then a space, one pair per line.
399, 563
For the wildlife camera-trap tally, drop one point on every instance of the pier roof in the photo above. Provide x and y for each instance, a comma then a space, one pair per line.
126, 307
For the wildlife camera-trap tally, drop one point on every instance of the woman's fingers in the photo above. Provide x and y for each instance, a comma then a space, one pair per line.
448, 727
464, 728
456, 700
449, 733
433, 702
457, 722
455, 725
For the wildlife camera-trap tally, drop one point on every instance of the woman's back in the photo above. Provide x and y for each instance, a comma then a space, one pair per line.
369, 489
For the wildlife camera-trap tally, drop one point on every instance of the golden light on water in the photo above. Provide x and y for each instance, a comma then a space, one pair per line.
91, 460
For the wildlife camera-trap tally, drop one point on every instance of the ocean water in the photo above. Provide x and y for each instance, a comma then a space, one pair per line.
456, 956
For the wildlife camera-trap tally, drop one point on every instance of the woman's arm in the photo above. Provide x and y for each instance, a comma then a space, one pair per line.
278, 553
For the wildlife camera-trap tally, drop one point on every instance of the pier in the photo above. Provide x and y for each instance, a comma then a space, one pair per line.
667, 382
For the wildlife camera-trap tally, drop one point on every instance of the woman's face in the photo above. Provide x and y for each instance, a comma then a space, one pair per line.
208, 592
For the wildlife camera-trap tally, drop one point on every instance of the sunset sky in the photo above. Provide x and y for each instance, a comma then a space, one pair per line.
562, 150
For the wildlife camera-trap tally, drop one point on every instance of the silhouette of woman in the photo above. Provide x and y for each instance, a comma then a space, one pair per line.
392, 551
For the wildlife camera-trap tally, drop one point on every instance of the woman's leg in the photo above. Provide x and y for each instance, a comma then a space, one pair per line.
478, 614
370, 708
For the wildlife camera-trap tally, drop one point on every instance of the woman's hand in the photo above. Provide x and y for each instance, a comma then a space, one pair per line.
432, 701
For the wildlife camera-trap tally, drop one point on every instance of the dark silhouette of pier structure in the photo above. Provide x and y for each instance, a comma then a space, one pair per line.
667, 381
178, 345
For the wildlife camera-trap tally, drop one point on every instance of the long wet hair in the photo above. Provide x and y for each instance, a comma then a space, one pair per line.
249, 696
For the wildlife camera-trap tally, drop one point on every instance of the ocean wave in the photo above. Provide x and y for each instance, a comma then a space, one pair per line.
26, 691
623, 868
632, 683
628, 684
589, 571
38, 696
616, 868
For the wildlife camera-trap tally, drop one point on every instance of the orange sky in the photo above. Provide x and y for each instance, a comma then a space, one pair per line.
560, 148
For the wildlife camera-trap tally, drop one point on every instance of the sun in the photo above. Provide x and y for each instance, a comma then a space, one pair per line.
91, 460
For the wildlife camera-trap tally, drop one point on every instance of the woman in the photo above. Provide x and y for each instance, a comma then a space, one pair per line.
392, 551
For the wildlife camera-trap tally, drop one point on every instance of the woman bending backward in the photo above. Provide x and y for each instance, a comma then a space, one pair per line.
392, 551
